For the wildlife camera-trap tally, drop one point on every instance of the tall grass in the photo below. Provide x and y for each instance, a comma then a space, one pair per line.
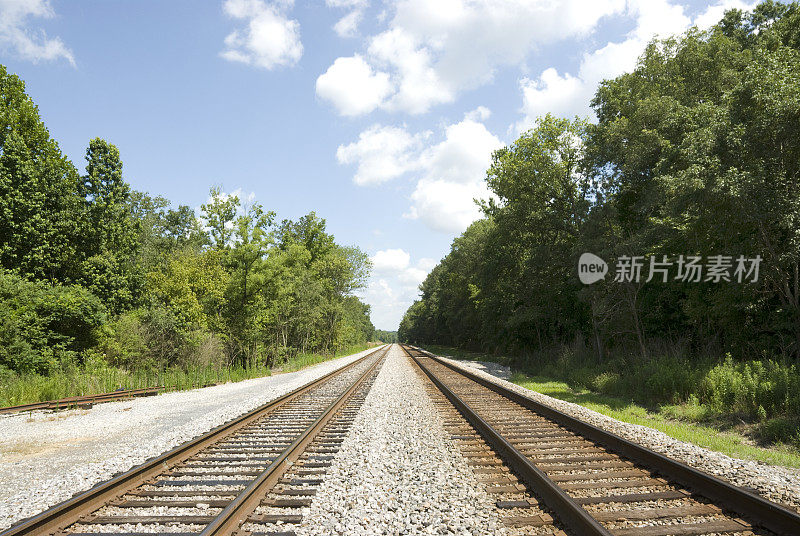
97, 377
763, 393
306, 360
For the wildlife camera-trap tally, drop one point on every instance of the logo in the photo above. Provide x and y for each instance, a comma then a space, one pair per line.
682, 268
591, 268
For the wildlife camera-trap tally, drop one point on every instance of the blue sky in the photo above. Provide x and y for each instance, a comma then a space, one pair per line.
381, 116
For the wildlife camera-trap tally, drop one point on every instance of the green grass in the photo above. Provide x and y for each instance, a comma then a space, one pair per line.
18, 389
661, 395
711, 437
301, 361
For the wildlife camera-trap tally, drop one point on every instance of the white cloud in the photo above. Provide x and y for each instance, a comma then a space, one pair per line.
454, 173
270, 39
434, 50
714, 13
481, 113
390, 260
552, 93
449, 174
381, 154
394, 286
568, 95
352, 86
347, 26
27, 44
446, 207
418, 85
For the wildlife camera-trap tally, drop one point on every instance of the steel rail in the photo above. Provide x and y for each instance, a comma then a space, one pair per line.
83, 399
568, 511
72, 510
762, 512
236, 513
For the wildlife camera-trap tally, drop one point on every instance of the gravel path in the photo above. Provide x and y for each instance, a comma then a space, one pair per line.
780, 484
398, 472
495, 369
46, 458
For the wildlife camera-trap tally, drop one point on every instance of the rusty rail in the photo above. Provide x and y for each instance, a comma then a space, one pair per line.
758, 510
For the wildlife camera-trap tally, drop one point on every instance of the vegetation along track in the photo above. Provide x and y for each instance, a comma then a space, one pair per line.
550, 470
253, 471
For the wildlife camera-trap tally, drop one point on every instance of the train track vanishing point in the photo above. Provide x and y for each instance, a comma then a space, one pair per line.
253, 471
543, 464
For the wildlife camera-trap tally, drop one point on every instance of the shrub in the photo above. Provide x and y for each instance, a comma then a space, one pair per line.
606, 382
781, 430
756, 389
44, 326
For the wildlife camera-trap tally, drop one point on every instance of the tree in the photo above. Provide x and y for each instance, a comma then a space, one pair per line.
219, 214
39, 209
111, 235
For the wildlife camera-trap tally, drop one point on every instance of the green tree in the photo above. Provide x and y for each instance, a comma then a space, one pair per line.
39, 208
111, 234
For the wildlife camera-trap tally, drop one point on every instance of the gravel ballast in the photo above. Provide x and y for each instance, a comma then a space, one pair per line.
45, 457
780, 484
397, 471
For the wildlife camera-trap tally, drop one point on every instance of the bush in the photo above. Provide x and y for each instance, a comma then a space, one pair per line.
756, 389
153, 338
45, 326
606, 382
781, 430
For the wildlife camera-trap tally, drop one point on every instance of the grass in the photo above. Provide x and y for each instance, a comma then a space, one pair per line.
301, 361
688, 420
664, 420
18, 389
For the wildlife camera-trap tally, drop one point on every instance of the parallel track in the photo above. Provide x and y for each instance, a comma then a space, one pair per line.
253, 470
591, 481
83, 401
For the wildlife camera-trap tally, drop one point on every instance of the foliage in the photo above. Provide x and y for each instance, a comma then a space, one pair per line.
44, 327
94, 274
385, 336
40, 223
695, 152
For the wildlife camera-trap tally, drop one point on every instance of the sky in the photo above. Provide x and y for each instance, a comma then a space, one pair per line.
380, 116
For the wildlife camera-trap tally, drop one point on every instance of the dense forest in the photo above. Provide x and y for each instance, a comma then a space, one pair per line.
385, 336
94, 272
694, 155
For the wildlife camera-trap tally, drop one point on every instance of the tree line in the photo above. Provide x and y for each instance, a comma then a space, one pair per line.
385, 336
695, 154
91, 269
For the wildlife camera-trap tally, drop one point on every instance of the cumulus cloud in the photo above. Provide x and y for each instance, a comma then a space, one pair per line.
382, 153
269, 39
432, 51
567, 95
390, 260
352, 86
347, 26
712, 14
16, 36
454, 172
394, 285
450, 174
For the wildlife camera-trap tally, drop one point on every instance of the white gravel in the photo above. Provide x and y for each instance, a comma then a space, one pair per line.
45, 458
495, 369
776, 483
397, 471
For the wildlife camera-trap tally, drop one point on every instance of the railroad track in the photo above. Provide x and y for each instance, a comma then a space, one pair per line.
252, 474
550, 472
83, 401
